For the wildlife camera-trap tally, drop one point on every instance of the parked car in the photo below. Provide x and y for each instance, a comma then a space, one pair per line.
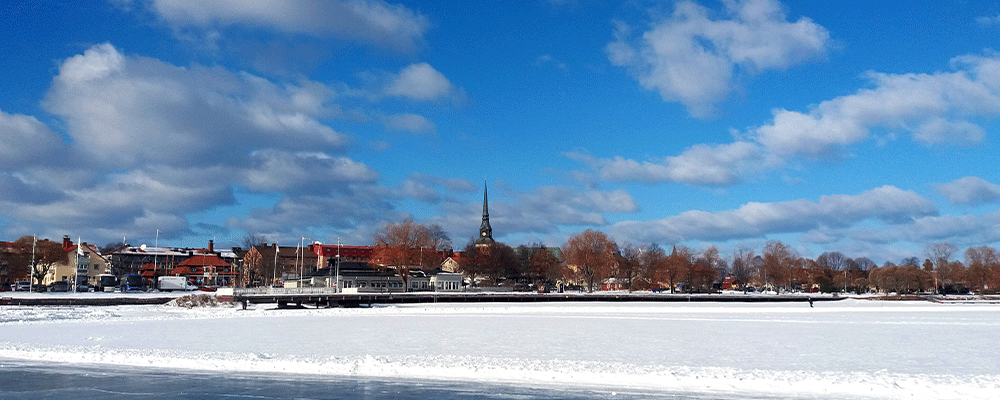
84, 287
59, 286
4, 287
22, 286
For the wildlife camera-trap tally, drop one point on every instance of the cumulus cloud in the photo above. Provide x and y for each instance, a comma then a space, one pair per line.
355, 208
366, 21
419, 82
546, 207
932, 108
960, 230
125, 111
302, 172
130, 201
970, 190
149, 143
691, 58
701, 164
25, 138
887, 204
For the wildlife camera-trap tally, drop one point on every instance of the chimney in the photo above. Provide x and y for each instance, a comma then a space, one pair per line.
211, 246
67, 243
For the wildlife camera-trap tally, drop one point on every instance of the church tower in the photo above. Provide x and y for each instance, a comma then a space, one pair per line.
485, 231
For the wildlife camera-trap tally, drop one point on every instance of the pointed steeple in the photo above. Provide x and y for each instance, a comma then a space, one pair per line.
485, 231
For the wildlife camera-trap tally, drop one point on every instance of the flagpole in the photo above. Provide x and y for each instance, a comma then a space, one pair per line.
31, 273
76, 272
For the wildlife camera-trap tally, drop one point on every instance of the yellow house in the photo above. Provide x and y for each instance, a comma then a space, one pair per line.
82, 261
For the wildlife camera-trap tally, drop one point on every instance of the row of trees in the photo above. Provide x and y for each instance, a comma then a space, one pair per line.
596, 259
592, 259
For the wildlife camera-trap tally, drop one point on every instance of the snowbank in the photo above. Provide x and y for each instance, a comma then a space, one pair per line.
852, 349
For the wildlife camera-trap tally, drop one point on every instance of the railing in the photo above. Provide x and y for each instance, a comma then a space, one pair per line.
274, 290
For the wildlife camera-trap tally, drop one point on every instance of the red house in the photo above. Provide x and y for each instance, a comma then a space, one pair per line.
206, 270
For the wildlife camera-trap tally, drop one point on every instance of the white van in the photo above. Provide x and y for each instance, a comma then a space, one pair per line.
171, 283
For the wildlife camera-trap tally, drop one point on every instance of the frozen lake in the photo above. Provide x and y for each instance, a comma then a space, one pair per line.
848, 349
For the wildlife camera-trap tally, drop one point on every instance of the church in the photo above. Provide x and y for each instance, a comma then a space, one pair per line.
485, 231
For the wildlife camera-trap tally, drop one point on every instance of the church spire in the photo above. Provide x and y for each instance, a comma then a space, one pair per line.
485, 231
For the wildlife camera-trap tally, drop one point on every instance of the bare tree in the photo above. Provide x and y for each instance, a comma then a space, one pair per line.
701, 275
404, 245
438, 238
495, 262
865, 263
676, 266
629, 265
939, 253
777, 262
250, 240
742, 267
46, 254
983, 268
591, 254
654, 260
111, 248
835, 261
544, 265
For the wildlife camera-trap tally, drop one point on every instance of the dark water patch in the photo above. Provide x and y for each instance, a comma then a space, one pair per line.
40, 381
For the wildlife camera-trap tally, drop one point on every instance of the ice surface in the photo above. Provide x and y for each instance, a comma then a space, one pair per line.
846, 349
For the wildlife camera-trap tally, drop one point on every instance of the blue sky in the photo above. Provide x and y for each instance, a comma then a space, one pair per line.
869, 129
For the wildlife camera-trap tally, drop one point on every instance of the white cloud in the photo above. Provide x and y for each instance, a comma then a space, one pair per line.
409, 122
970, 190
303, 172
691, 58
701, 164
123, 111
97, 62
419, 191
887, 204
419, 82
366, 21
24, 138
960, 230
125, 201
151, 144
934, 109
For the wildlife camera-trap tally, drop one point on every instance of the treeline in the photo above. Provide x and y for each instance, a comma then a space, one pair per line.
594, 261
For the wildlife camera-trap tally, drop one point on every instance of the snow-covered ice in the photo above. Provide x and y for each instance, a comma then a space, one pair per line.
845, 349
